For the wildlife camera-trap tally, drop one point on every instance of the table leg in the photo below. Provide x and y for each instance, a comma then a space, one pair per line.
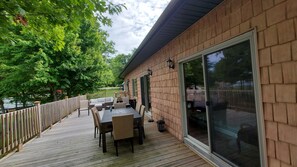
140, 134
104, 142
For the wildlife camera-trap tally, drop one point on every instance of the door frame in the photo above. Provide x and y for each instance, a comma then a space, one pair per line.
185, 129
197, 147
145, 93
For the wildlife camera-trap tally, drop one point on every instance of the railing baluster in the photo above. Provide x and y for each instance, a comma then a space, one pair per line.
11, 130
30, 123
22, 126
19, 123
8, 131
3, 133
33, 121
15, 139
27, 124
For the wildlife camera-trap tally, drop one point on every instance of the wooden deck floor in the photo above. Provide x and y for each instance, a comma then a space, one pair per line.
71, 143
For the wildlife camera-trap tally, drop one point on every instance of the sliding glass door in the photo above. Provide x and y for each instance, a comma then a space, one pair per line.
220, 104
195, 101
230, 88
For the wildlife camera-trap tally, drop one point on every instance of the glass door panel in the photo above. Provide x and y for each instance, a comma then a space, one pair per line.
230, 90
145, 92
195, 100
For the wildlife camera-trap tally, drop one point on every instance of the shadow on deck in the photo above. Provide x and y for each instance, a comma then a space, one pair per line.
72, 143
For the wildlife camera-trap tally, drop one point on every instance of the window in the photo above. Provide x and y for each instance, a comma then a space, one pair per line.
230, 89
134, 87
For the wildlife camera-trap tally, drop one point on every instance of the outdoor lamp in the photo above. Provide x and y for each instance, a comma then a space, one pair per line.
170, 63
149, 72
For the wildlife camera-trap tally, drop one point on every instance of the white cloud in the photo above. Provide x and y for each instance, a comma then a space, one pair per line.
131, 26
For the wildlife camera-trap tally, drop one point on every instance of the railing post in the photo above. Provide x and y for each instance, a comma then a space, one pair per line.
37, 103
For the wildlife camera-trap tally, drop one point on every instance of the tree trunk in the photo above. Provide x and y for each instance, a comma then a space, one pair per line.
2, 106
68, 93
55, 95
23, 100
24, 104
16, 103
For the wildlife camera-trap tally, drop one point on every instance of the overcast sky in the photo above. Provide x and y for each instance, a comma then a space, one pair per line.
131, 26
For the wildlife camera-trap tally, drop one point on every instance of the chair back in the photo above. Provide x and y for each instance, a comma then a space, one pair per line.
119, 105
98, 120
125, 100
84, 104
115, 100
98, 115
122, 126
142, 110
138, 106
95, 117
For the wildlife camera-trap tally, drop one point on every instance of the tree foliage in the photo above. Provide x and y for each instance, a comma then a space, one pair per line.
117, 64
231, 65
194, 73
50, 18
52, 48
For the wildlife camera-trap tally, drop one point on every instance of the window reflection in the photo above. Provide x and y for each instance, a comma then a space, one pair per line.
232, 105
195, 97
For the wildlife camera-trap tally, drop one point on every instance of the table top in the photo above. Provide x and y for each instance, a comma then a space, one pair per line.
106, 115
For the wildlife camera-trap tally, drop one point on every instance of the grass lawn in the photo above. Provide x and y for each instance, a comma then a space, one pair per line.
104, 92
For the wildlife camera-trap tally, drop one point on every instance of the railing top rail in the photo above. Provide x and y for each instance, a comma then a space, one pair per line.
24, 109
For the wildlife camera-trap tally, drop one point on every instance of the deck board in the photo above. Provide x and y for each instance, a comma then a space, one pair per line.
71, 143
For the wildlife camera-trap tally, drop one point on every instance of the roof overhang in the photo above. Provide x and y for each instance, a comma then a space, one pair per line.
176, 18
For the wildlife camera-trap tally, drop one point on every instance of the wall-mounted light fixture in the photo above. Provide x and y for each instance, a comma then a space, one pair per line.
170, 63
149, 72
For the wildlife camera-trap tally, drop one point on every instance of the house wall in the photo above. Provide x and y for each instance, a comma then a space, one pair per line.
276, 24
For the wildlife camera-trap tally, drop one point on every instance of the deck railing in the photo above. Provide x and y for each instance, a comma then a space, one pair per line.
18, 127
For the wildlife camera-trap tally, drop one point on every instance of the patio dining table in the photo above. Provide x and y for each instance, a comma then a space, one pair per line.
106, 121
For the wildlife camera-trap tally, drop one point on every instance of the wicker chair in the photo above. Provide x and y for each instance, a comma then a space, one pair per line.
119, 105
98, 125
138, 106
96, 122
142, 110
122, 129
125, 100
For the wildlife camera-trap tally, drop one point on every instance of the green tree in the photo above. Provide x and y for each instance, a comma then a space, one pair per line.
117, 64
47, 45
50, 18
235, 65
194, 73
82, 67
231, 65
24, 67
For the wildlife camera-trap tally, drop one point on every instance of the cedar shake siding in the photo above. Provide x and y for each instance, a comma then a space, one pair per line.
275, 24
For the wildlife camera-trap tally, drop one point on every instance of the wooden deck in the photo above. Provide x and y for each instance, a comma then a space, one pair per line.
72, 143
